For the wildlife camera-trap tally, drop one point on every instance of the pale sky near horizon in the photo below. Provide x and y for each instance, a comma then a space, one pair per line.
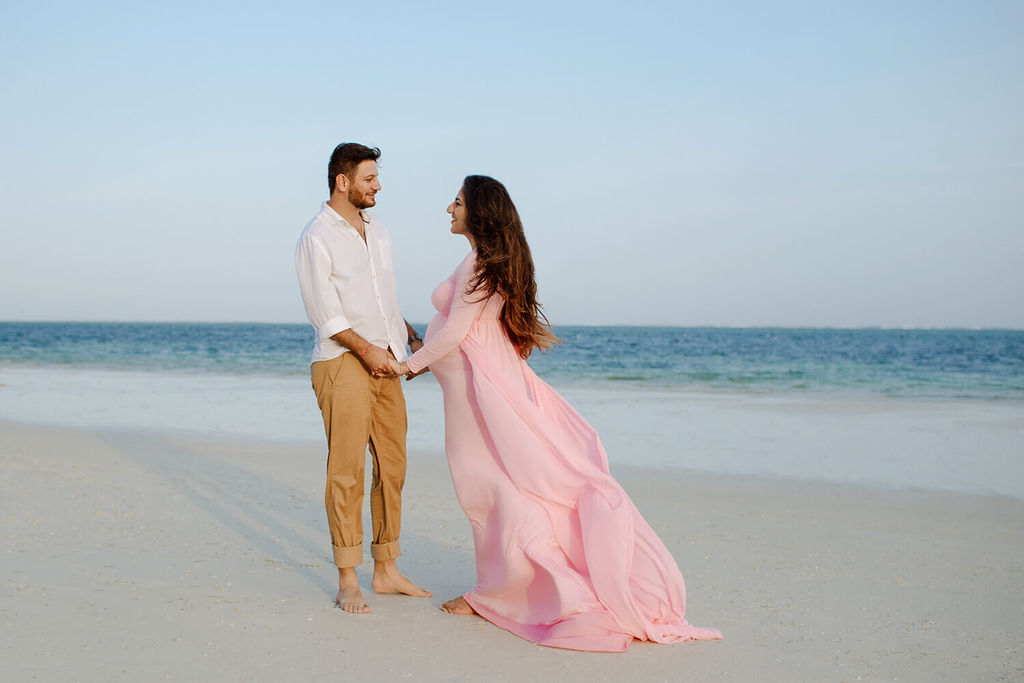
675, 163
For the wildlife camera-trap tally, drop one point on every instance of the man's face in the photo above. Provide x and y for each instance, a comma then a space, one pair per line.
363, 187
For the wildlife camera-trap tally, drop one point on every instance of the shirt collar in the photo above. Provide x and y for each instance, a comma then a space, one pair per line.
334, 217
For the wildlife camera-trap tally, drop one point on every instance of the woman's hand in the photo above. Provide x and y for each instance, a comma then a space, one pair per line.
411, 375
403, 369
398, 368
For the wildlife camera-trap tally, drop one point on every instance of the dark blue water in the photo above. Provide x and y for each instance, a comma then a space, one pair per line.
975, 364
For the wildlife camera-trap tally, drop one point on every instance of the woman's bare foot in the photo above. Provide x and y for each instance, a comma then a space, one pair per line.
349, 597
387, 579
457, 606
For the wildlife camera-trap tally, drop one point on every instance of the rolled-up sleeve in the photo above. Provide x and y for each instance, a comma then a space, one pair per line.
323, 305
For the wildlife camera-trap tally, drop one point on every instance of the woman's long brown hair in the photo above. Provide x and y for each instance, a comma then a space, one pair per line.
504, 264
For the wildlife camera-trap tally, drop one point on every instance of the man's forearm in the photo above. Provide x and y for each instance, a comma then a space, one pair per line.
376, 359
351, 341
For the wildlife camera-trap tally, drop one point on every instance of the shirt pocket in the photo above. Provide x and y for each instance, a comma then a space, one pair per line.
386, 256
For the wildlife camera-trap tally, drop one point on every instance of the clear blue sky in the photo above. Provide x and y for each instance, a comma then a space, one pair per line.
738, 163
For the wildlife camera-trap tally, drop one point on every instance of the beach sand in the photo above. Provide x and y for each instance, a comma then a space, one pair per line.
152, 555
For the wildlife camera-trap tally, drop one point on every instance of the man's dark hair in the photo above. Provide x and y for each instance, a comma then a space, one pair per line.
346, 157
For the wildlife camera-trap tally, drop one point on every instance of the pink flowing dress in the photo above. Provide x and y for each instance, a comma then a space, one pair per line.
563, 557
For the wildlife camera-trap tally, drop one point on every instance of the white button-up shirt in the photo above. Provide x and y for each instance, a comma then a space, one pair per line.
349, 283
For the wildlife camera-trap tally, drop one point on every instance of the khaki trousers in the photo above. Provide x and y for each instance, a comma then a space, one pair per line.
360, 410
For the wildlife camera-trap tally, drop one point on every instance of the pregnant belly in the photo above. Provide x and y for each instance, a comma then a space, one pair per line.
451, 363
448, 367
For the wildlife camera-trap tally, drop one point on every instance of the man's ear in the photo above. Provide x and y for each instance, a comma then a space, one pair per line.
341, 183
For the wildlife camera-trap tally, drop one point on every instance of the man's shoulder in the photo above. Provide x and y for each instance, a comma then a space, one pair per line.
317, 225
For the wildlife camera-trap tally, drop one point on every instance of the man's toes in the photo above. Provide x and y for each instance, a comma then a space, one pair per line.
355, 608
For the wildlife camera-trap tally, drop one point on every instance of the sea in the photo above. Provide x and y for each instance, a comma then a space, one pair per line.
932, 364
937, 409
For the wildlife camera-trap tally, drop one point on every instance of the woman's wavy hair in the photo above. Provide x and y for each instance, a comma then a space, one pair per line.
504, 264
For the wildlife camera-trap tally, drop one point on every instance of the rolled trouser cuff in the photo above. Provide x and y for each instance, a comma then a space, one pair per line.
385, 551
348, 556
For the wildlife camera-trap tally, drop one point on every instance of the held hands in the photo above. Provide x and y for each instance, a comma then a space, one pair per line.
403, 369
378, 361
398, 368
381, 363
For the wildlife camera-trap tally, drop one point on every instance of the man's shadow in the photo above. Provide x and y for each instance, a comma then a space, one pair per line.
283, 523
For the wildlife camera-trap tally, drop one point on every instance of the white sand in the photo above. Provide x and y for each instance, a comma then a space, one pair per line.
150, 555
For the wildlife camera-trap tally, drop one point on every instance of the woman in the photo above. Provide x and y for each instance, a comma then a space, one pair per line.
563, 557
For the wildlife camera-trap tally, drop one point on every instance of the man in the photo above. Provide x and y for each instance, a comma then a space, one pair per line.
346, 275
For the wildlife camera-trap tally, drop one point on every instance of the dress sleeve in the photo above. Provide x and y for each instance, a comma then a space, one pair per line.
465, 310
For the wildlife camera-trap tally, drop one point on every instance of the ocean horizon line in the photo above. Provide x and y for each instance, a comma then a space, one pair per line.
938, 362
941, 328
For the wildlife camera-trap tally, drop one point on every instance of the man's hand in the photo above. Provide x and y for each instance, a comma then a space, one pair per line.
378, 362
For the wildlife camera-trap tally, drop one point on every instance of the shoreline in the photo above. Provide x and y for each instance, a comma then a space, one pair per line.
142, 554
966, 446
751, 482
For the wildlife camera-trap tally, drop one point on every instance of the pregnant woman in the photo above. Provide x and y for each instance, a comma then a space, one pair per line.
563, 558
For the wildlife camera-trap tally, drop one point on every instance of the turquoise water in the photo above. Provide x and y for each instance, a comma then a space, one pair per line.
962, 364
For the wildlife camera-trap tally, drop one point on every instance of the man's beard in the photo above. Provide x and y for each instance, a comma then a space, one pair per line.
360, 201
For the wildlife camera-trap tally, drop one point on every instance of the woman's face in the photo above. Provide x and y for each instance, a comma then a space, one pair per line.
457, 209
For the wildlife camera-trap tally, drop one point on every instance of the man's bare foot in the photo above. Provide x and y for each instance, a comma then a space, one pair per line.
457, 606
387, 579
349, 597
